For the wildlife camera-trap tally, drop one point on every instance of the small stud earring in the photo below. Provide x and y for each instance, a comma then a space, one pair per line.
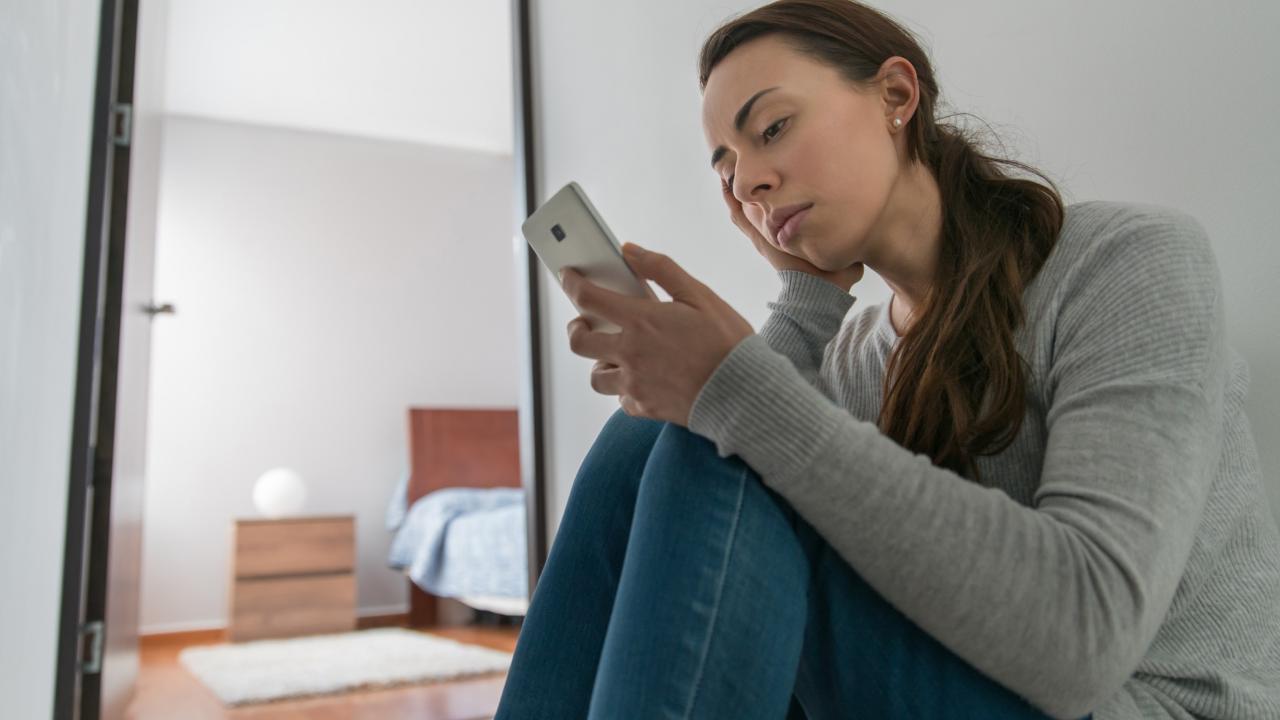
897, 122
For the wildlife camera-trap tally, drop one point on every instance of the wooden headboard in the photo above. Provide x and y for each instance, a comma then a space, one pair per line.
453, 447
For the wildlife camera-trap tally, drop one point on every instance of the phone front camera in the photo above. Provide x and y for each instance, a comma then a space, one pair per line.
557, 231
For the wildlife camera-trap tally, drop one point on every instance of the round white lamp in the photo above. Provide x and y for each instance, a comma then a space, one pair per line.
279, 492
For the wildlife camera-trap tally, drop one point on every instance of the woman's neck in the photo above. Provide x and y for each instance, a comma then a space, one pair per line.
895, 322
907, 242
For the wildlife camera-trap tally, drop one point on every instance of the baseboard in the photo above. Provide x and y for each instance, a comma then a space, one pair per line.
178, 628
365, 622
395, 609
202, 632
184, 637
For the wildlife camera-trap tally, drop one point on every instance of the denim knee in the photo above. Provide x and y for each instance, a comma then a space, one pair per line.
625, 441
677, 443
617, 457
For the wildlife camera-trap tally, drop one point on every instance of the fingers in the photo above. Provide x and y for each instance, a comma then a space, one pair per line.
591, 344
648, 291
729, 200
606, 378
589, 297
735, 207
738, 216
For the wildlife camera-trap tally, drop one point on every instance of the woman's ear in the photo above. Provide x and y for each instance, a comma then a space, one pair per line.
899, 90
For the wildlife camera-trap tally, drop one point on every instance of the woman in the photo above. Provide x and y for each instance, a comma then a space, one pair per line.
1024, 487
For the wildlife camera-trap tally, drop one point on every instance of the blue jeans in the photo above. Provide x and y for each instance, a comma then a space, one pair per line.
680, 586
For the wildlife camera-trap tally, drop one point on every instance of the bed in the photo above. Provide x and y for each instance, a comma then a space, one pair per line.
458, 513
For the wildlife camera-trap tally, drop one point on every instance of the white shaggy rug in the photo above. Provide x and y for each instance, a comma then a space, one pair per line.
265, 670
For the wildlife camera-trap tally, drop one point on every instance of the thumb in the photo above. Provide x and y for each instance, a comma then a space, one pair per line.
661, 269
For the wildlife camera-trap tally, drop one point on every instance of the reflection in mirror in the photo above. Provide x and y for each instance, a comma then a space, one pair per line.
328, 193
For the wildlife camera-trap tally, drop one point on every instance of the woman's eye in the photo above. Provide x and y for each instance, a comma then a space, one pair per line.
778, 125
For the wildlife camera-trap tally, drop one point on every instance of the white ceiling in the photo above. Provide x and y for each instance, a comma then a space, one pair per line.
425, 71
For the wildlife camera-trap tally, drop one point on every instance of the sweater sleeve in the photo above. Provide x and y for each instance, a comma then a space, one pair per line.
1057, 601
805, 317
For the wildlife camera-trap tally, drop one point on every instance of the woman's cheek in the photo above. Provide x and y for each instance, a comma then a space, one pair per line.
756, 216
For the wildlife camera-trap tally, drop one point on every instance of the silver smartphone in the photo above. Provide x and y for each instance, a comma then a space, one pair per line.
568, 232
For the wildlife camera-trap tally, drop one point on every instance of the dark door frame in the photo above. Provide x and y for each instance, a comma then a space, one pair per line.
532, 421
84, 567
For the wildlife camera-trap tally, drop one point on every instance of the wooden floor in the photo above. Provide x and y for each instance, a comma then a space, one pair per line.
165, 690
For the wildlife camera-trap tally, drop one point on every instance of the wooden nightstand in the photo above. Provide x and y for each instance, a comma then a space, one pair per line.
292, 576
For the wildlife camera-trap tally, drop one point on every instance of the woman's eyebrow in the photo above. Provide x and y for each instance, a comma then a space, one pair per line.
738, 121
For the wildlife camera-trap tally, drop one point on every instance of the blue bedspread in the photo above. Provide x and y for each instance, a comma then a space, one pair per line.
463, 541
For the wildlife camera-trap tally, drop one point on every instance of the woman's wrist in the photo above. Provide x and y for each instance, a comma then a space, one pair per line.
844, 284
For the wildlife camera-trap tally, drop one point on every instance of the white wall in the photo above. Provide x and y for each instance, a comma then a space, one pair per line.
427, 71
323, 285
48, 52
1171, 103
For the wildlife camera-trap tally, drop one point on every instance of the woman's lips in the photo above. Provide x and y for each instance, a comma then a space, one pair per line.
790, 226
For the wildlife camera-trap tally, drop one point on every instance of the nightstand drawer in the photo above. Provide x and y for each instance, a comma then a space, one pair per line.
265, 548
284, 607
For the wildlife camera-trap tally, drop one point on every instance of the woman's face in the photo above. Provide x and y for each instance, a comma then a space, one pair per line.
809, 137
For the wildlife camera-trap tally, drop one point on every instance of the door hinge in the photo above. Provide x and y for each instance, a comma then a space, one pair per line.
92, 663
122, 124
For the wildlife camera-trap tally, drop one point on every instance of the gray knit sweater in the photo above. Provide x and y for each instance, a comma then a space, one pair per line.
1119, 557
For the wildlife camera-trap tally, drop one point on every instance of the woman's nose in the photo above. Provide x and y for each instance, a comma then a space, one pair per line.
750, 182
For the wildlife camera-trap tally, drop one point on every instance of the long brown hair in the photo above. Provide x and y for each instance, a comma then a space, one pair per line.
955, 386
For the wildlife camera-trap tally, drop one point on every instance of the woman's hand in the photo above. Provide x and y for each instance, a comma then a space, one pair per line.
666, 351
779, 259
